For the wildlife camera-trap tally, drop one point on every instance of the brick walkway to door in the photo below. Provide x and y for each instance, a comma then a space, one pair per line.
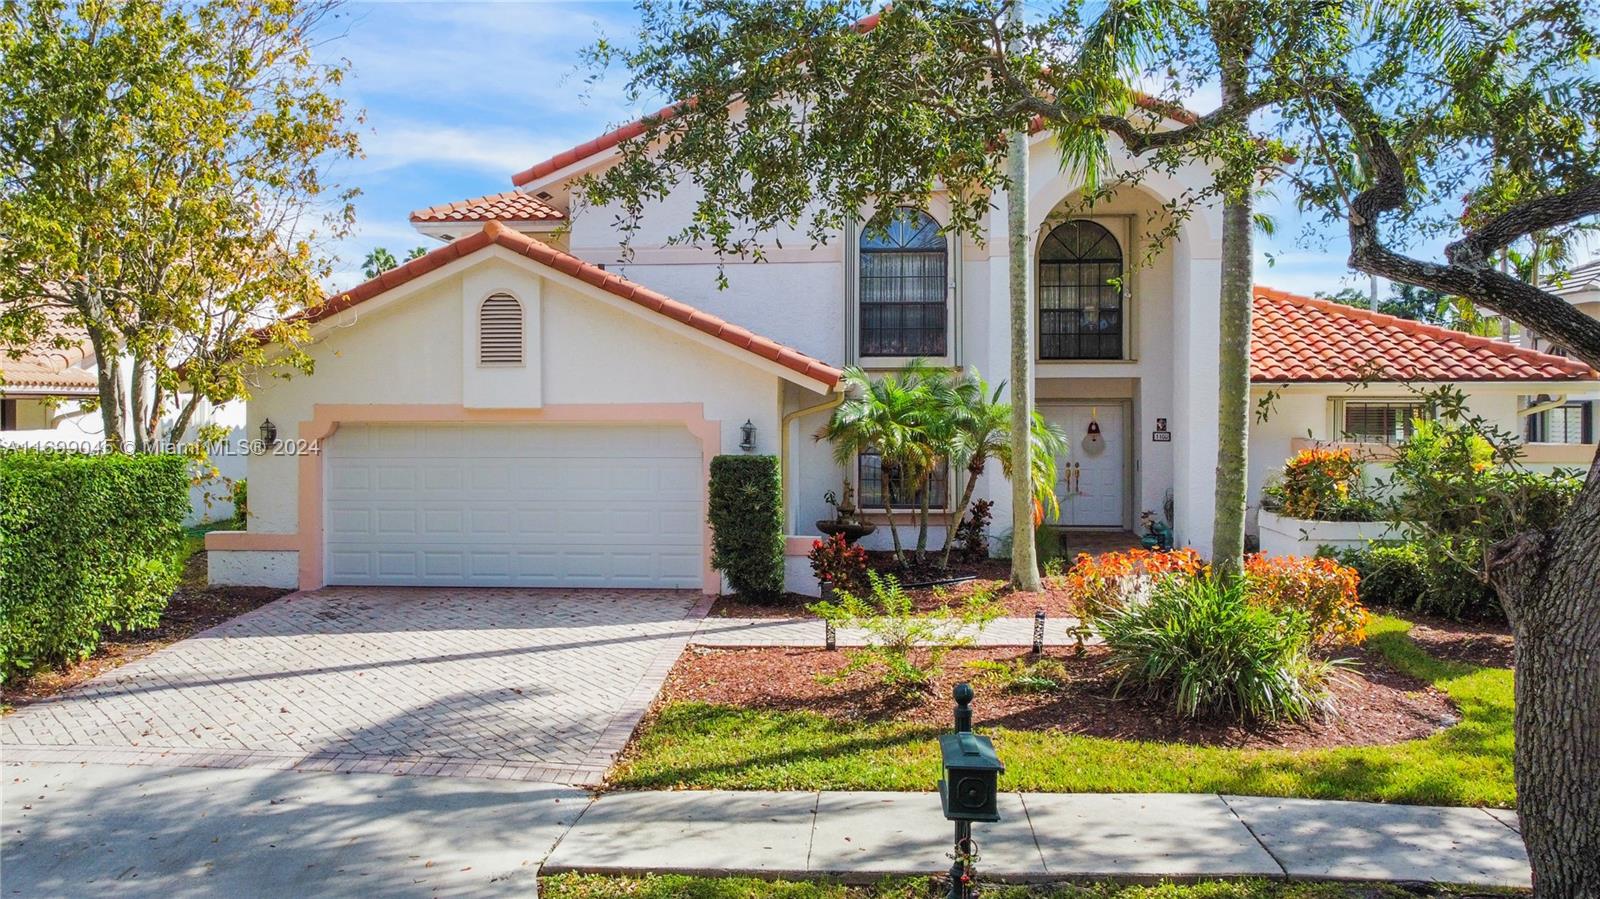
512, 684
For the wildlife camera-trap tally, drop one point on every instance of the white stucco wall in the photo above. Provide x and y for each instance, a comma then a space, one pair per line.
254, 569
407, 347
1308, 410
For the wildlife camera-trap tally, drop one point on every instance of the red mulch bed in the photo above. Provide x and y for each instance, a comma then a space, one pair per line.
1377, 705
990, 574
1487, 644
193, 608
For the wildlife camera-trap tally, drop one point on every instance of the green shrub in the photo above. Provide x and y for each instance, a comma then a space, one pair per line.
1043, 675
747, 524
907, 647
240, 497
86, 543
1203, 647
1408, 576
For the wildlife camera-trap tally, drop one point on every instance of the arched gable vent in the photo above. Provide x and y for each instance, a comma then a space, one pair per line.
500, 331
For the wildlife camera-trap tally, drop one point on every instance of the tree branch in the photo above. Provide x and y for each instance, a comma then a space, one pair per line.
1468, 276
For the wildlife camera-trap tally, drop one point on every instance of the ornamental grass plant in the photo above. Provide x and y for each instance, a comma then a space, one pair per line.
1201, 646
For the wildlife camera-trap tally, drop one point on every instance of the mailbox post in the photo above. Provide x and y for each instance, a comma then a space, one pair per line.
969, 790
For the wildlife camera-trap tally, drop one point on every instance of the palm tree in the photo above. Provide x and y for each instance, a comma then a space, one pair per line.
377, 262
890, 416
981, 429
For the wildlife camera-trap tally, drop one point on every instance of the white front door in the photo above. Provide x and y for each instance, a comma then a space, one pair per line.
514, 505
1091, 482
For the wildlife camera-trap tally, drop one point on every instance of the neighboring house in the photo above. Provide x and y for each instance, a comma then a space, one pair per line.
1565, 416
47, 397
525, 406
42, 392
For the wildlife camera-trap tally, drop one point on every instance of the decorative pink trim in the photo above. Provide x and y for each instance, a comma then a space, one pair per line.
798, 545
327, 417
251, 541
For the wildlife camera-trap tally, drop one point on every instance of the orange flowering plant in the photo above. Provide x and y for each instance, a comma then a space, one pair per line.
1109, 580
1321, 484
1322, 589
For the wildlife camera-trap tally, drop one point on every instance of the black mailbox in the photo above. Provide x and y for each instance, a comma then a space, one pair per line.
970, 788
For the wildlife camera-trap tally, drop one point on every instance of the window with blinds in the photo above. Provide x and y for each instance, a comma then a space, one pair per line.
500, 331
1380, 421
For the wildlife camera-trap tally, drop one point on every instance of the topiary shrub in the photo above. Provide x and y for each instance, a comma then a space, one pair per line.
86, 543
747, 525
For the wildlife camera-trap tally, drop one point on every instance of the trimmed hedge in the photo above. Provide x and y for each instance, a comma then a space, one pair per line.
86, 543
747, 524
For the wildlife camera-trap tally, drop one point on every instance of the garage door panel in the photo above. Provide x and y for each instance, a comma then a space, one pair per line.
514, 505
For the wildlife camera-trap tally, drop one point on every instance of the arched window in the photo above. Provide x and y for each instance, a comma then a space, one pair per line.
903, 287
500, 331
1080, 293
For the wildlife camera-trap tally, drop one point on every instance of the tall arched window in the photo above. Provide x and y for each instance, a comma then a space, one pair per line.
904, 287
500, 331
1080, 293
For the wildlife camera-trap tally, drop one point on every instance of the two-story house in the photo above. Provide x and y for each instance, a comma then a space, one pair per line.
526, 405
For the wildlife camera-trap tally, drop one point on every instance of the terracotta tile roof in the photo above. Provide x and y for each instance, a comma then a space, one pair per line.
48, 365
511, 206
498, 234
1301, 339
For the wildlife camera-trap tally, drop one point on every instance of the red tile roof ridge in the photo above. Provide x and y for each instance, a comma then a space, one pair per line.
1564, 368
542, 211
495, 233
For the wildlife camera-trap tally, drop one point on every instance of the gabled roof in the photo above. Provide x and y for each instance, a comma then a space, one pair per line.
1581, 279
49, 365
511, 206
1298, 339
496, 234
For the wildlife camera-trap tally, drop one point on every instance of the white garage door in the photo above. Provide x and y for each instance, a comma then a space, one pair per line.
517, 505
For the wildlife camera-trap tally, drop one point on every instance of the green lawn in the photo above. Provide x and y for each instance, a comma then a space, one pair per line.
694, 745
576, 886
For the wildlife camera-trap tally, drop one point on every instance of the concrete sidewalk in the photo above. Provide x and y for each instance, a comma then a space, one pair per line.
1041, 836
809, 632
171, 833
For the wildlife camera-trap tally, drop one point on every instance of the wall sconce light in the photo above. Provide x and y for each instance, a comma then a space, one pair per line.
269, 433
747, 436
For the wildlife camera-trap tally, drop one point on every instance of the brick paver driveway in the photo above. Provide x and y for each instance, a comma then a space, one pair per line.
516, 684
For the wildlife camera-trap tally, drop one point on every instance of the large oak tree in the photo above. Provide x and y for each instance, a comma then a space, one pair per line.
1477, 126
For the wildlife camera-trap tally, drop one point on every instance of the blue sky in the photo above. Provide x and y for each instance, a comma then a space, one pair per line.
458, 96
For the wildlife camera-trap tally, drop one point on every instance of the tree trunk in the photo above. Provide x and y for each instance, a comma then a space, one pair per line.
1024, 560
1551, 593
108, 378
974, 471
1233, 391
922, 518
888, 514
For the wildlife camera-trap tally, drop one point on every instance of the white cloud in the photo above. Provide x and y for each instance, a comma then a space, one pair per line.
494, 149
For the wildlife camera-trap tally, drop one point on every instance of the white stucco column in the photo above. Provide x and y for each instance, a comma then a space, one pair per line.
1197, 283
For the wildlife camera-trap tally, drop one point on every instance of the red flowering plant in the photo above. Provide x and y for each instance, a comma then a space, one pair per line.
839, 562
1321, 589
1109, 580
